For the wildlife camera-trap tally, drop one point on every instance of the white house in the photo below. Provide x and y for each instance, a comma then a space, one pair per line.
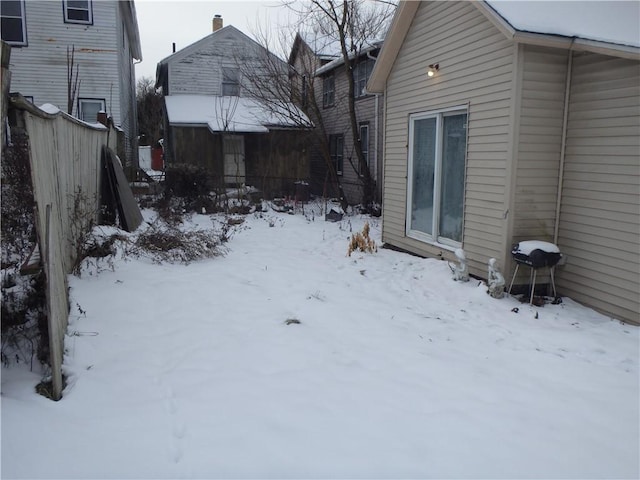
104, 38
215, 119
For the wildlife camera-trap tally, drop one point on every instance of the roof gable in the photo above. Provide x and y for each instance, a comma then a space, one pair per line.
550, 26
219, 35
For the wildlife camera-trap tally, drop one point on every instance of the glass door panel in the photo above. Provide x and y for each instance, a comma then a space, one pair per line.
424, 159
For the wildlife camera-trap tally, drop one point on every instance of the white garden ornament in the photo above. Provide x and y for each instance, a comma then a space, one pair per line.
495, 280
461, 271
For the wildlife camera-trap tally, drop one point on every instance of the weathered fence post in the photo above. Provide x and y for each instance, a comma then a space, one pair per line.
55, 341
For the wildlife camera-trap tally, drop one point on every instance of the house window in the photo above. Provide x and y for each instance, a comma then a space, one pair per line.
88, 109
437, 152
364, 145
14, 29
304, 92
361, 74
328, 91
230, 82
77, 11
336, 146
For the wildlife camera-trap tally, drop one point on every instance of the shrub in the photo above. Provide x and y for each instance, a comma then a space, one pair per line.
186, 180
165, 243
23, 302
361, 241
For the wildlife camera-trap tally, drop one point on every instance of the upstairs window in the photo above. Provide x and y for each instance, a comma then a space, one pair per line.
230, 82
88, 109
14, 29
361, 74
328, 91
77, 11
336, 147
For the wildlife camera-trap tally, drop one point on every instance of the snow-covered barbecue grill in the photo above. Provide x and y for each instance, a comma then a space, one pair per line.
535, 254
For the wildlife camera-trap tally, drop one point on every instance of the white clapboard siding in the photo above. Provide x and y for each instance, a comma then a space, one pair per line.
600, 213
128, 120
336, 121
476, 64
197, 69
103, 55
40, 68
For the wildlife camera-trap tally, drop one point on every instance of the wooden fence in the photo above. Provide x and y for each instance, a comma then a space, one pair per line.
65, 156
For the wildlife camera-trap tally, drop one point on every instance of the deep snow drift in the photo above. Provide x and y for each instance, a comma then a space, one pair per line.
394, 370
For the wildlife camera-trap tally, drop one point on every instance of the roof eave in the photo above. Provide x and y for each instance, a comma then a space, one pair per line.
131, 23
556, 41
613, 49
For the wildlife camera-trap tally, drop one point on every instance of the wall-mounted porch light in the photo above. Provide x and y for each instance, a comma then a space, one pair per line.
433, 68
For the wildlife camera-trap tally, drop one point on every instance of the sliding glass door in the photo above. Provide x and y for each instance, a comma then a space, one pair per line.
437, 153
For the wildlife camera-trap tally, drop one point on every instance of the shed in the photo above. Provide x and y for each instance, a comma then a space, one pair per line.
238, 141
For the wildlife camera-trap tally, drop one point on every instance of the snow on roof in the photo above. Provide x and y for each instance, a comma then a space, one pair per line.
614, 22
233, 114
339, 60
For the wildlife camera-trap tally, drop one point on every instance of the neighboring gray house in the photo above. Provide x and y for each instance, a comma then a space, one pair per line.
528, 128
105, 39
320, 67
213, 119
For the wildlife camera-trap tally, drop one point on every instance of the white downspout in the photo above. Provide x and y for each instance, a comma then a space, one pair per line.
376, 129
375, 136
563, 146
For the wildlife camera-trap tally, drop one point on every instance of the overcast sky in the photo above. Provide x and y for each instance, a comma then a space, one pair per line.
163, 22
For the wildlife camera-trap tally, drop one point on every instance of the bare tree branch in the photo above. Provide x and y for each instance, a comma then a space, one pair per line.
351, 25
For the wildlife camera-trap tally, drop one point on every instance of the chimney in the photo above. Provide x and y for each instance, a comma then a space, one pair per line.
102, 118
217, 22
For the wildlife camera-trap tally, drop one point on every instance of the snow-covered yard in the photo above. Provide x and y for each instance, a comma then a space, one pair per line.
393, 371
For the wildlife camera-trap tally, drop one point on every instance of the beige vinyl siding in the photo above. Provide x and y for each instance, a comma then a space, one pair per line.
600, 212
539, 146
476, 64
40, 69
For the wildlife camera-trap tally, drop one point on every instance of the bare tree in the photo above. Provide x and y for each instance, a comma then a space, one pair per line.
351, 25
149, 107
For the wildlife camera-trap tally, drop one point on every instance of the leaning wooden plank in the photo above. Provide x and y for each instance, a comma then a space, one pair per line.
128, 209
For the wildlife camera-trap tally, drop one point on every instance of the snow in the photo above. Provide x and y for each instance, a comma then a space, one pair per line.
394, 370
607, 21
529, 246
49, 108
373, 45
55, 110
235, 114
